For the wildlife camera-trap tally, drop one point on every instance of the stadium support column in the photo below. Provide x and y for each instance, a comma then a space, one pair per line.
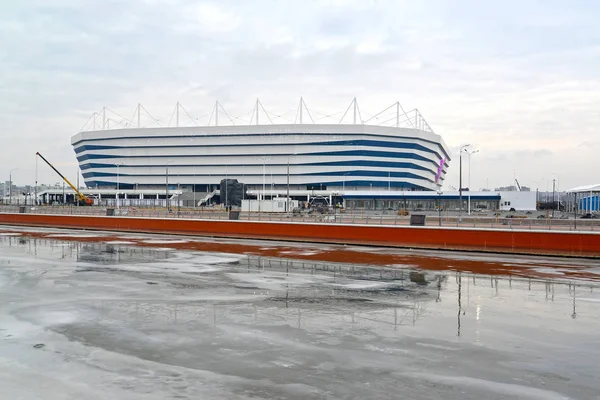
354, 119
397, 114
256, 111
103, 118
177, 115
138, 114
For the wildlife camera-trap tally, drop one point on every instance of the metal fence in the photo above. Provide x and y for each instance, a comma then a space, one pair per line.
364, 218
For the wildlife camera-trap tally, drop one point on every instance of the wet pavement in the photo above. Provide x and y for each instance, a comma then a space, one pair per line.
99, 316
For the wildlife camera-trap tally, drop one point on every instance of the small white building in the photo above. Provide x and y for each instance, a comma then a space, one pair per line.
519, 201
277, 205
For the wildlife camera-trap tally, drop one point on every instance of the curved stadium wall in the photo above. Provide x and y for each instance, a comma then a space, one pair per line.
353, 157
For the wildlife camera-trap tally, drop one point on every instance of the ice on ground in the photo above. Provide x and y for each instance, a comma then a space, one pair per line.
505, 389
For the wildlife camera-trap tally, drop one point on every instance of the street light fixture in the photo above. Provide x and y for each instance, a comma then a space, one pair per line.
117, 195
470, 153
462, 148
167, 188
439, 192
10, 184
344, 182
288, 186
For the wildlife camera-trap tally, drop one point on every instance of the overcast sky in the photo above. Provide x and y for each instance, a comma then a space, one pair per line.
518, 80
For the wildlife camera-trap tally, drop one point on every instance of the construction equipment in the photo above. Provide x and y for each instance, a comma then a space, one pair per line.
518, 186
82, 199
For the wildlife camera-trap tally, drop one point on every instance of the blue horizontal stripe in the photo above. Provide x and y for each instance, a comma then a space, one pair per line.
362, 142
378, 174
269, 135
365, 153
349, 163
402, 185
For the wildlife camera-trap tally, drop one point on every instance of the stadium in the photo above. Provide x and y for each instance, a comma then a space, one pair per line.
269, 159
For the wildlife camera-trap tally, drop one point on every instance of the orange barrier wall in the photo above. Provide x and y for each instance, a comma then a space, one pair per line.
512, 241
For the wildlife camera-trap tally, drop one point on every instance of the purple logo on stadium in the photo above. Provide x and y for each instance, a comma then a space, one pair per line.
440, 169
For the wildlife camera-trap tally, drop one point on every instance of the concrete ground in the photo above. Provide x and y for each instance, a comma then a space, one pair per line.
114, 320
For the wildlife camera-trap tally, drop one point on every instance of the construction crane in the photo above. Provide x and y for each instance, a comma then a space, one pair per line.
82, 199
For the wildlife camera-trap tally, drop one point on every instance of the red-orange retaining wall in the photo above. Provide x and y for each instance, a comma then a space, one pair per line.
585, 244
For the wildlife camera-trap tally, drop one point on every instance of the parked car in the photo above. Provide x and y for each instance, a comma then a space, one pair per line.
588, 216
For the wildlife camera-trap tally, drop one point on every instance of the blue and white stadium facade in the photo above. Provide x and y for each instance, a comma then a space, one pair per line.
321, 157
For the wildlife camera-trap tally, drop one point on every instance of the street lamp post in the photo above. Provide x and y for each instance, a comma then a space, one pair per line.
10, 184
287, 198
469, 194
439, 207
462, 148
553, 198
167, 187
117, 196
344, 182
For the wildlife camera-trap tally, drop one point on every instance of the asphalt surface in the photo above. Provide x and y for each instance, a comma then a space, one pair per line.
112, 319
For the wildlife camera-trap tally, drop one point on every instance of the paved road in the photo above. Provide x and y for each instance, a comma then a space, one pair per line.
116, 320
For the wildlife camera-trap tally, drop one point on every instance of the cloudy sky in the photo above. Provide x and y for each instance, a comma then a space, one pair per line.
518, 80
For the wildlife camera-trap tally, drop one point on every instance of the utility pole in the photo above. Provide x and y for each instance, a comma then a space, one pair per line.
553, 198
77, 186
167, 189
460, 181
575, 206
10, 185
36, 180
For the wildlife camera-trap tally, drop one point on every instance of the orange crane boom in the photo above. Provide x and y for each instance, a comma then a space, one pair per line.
82, 198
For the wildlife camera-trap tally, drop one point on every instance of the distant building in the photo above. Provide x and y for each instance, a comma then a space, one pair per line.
513, 188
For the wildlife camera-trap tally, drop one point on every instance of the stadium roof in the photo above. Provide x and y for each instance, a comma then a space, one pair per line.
585, 189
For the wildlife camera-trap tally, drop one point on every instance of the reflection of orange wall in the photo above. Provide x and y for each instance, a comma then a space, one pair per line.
536, 242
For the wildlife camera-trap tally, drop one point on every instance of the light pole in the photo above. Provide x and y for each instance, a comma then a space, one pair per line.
462, 148
117, 196
553, 199
344, 182
264, 159
439, 207
288, 188
470, 153
167, 187
10, 184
